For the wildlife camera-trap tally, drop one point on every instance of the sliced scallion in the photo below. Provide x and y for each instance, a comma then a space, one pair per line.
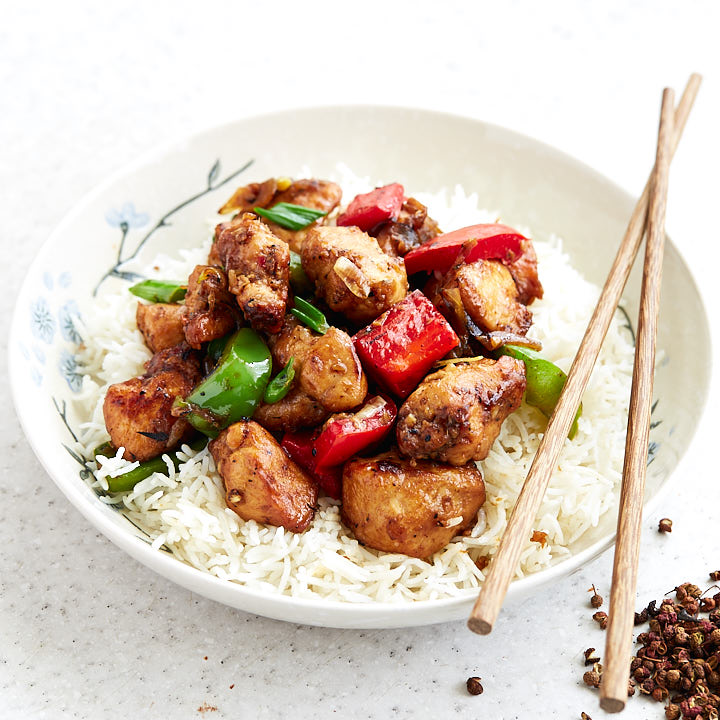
159, 291
292, 217
310, 316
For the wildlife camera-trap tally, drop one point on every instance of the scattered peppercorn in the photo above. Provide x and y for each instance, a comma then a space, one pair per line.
584, 716
589, 658
473, 686
596, 600
715, 575
592, 678
601, 619
665, 525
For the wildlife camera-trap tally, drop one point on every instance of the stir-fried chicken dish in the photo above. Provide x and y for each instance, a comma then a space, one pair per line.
362, 355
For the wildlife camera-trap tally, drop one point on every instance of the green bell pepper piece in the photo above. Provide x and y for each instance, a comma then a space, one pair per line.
129, 479
234, 388
545, 381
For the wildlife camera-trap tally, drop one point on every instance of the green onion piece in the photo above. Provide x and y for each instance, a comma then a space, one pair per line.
292, 217
159, 291
128, 480
310, 316
298, 279
280, 385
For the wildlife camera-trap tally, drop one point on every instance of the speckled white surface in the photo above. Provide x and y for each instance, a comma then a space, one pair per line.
85, 632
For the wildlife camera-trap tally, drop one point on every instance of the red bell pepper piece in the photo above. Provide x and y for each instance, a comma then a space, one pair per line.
494, 241
403, 343
370, 209
300, 446
348, 434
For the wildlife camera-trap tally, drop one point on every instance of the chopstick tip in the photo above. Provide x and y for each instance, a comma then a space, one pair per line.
612, 705
479, 626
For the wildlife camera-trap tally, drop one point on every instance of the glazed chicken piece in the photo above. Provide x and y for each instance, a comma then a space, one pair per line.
138, 411
316, 194
261, 482
351, 273
456, 413
489, 296
161, 325
406, 506
328, 377
257, 265
412, 228
295, 411
210, 308
525, 274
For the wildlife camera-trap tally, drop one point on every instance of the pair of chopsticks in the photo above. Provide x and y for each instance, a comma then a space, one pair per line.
648, 215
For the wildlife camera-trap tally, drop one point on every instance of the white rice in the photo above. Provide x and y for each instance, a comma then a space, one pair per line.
185, 511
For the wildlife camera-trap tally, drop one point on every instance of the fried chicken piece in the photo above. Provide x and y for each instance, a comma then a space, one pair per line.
525, 274
257, 264
412, 228
490, 297
295, 411
161, 324
328, 377
351, 273
320, 195
210, 308
456, 413
250, 196
412, 507
138, 411
262, 483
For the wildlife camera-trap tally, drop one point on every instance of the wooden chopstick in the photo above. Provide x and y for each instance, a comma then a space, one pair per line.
614, 684
516, 535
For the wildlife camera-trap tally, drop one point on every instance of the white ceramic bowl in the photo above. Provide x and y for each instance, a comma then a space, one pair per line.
531, 183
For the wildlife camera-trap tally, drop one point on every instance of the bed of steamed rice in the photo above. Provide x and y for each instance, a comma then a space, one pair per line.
185, 512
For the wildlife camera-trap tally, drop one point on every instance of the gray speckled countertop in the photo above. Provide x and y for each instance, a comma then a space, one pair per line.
86, 632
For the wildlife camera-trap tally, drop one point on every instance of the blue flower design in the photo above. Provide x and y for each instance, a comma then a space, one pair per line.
126, 216
36, 376
47, 279
65, 320
69, 369
64, 279
25, 352
42, 323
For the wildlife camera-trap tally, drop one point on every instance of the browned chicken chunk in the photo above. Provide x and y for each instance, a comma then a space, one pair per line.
210, 308
250, 196
161, 325
412, 228
489, 296
351, 273
320, 195
295, 411
261, 482
456, 413
525, 274
138, 412
416, 508
257, 264
328, 377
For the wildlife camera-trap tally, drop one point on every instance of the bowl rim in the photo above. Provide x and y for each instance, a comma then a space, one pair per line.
174, 569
